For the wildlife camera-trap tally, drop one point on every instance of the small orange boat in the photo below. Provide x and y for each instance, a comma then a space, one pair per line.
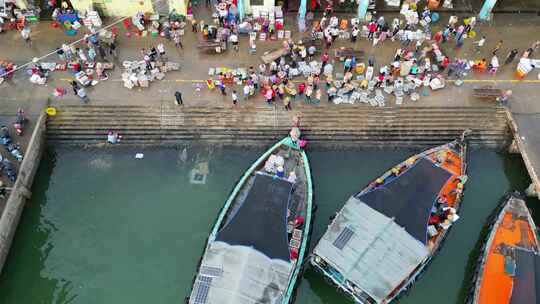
509, 267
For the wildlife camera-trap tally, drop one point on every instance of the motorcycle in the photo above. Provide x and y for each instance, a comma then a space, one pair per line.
20, 122
7, 166
14, 149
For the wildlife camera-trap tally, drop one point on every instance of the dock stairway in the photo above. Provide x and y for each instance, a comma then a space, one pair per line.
354, 126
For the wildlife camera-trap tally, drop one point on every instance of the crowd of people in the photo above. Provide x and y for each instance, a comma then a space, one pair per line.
419, 59
417, 64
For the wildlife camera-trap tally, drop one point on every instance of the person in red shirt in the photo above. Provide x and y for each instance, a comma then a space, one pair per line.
380, 80
372, 27
301, 88
77, 67
445, 62
329, 8
294, 254
299, 221
438, 37
325, 59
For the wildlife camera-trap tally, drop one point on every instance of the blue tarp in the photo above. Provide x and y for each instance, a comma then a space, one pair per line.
485, 12
241, 9
362, 9
67, 17
261, 221
302, 9
408, 198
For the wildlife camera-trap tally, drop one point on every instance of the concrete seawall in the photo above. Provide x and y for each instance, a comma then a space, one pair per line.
344, 126
21, 190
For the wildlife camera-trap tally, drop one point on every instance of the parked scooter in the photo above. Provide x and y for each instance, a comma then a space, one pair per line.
13, 148
20, 122
7, 167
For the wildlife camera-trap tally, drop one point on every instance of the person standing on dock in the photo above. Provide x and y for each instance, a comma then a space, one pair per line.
498, 46
505, 96
25, 34
178, 98
234, 97
176, 39
511, 56
479, 44
222, 88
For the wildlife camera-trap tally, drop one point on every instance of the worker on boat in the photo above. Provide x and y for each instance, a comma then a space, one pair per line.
280, 172
299, 221
292, 177
379, 181
295, 134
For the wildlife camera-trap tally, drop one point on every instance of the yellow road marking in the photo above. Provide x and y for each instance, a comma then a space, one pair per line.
190, 80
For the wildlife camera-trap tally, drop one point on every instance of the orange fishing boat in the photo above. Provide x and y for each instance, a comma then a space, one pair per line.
509, 267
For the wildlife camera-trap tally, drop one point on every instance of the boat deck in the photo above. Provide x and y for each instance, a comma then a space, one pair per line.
252, 255
403, 216
293, 161
513, 230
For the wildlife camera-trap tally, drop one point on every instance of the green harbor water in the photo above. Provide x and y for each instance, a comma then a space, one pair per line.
104, 227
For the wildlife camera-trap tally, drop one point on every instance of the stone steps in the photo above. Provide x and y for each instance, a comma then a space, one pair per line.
344, 125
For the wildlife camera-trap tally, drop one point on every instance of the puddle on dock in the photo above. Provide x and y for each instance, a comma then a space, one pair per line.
104, 227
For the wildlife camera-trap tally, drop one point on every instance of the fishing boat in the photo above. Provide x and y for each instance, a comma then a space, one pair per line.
508, 270
383, 238
255, 251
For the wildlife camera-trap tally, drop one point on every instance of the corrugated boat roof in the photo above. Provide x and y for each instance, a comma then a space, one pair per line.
379, 254
389, 227
249, 261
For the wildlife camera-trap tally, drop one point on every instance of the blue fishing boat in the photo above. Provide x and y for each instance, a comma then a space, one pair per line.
255, 251
383, 238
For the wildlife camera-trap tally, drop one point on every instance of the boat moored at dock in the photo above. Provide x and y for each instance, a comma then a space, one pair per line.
383, 238
508, 269
256, 248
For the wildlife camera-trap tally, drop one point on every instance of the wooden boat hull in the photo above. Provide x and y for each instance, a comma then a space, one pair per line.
511, 232
366, 224
226, 237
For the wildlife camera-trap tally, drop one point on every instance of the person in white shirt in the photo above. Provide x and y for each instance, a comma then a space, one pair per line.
234, 97
161, 51
246, 92
82, 55
262, 69
311, 52
354, 34
494, 65
234, 40
25, 34
479, 44
303, 54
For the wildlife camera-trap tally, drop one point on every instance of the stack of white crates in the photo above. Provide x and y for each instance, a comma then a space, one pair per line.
94, 18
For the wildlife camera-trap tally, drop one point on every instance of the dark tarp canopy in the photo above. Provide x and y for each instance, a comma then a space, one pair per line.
261, 222
410, 197
527, 279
